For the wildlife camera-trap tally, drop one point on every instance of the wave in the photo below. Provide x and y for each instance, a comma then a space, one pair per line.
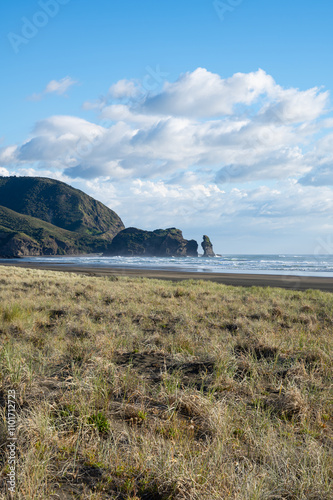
295, 265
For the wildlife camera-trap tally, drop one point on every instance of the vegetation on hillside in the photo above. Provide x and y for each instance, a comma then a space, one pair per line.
25, 235
59, 204
147, 389
44, 216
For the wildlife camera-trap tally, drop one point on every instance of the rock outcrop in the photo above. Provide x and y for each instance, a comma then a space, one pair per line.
158, 243
17, 245
207, 247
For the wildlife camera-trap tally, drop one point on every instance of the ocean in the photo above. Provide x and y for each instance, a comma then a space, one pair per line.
297, 265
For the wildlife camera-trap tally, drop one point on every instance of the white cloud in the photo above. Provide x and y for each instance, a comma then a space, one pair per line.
156, 203
124, 89
58, 87
4, 172
294, 106
205, 94
8, 155
253, 130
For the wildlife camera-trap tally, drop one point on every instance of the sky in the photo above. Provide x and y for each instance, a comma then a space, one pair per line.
211, 116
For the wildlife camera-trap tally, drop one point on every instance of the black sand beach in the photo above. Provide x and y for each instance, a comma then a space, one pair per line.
262, 280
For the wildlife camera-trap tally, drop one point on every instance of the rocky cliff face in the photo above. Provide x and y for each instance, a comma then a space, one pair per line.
207, 247
158, 243
21, 245
17, 245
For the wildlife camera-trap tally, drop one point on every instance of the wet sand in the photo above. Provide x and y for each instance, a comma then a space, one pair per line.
247, 280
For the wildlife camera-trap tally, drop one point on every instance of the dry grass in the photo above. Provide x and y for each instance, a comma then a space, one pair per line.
143, 389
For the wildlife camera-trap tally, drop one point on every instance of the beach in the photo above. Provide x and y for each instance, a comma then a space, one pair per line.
289, 282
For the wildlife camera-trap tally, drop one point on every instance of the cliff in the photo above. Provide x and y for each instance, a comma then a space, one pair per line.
158, 243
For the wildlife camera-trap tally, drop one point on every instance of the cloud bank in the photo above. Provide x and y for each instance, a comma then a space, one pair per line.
202, 147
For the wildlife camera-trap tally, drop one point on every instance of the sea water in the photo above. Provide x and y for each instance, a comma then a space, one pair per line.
299, 265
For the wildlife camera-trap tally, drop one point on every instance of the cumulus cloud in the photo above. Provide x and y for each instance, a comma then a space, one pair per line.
58, 87
294, 106
242, 128
276, 165
204, 94
124, 89
8, 155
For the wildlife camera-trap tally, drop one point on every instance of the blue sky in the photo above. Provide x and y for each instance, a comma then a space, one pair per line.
212, 117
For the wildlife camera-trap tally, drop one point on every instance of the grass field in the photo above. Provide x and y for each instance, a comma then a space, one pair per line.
145, 389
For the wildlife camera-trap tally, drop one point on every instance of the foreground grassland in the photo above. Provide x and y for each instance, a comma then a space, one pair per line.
146, 389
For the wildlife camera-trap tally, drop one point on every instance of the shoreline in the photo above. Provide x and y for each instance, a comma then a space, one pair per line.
289, 282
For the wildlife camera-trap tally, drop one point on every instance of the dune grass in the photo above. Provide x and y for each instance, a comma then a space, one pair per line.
146, 389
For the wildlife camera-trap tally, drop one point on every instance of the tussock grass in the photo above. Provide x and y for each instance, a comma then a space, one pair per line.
147, 389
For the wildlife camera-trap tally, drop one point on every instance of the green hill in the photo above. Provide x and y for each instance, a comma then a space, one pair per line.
59, 204
40, 216
24, 235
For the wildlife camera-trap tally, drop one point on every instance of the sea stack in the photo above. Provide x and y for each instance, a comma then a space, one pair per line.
207, 247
